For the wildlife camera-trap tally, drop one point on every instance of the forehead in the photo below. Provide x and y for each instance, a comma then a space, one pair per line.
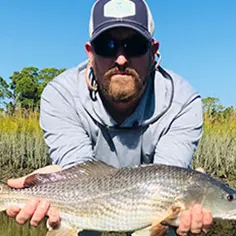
120, 32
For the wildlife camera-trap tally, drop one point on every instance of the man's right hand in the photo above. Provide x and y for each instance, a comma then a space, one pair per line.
35, 209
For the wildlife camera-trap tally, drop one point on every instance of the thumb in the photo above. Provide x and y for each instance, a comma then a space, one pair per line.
16, 183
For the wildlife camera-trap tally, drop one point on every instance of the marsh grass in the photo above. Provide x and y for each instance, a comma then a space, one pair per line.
216, 152
22, 147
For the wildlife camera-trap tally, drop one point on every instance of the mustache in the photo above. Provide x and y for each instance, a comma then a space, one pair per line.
116, 70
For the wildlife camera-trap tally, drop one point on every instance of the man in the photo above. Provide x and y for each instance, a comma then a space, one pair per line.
120, 107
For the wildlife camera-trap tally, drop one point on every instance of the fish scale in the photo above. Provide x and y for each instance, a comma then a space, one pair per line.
95, 196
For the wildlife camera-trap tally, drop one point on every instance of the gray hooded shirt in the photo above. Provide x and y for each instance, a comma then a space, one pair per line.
165, 127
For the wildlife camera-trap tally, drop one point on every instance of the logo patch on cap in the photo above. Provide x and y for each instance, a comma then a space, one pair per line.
119, 8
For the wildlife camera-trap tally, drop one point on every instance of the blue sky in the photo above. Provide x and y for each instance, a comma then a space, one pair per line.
197, 39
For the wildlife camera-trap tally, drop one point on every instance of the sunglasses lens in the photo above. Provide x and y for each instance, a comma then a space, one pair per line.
134, 46
105, 47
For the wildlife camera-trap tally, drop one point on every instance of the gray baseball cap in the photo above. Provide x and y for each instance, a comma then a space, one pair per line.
134, 14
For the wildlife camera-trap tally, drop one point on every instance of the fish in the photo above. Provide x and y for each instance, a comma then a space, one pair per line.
144, 198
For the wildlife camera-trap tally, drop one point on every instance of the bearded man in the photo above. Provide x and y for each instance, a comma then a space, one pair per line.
120, 107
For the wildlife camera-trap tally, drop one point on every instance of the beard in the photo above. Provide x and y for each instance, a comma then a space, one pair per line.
120, 86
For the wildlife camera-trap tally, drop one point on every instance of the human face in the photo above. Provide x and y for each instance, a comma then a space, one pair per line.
121, 69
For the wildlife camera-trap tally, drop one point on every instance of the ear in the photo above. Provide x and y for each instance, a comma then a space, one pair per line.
155, 48
89, 50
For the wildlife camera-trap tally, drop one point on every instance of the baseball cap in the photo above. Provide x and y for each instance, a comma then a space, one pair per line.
134, 14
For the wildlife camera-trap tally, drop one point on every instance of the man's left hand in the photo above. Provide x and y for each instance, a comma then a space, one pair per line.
195, 221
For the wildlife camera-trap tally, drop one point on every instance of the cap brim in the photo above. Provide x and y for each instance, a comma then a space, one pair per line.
113, 24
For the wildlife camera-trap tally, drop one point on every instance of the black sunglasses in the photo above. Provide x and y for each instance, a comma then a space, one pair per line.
133, 46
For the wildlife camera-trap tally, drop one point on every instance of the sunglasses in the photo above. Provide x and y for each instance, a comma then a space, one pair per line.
134, 46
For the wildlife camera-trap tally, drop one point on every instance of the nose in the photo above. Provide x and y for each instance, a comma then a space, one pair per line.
121, 58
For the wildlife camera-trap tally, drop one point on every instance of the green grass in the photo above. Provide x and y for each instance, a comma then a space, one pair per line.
22, 151
22, 147
216, 154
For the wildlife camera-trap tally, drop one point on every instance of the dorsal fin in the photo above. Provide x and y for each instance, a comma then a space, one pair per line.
91, 168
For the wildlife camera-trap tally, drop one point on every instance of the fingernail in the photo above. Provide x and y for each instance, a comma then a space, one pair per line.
34, 223
20, 222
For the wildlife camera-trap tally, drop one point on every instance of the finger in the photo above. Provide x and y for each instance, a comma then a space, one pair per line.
13, 211
207, 220
185, 223
53, 217
40, 212
197, 219
16, 183
27, 211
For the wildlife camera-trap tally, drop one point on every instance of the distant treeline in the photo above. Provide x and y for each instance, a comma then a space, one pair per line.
25, 88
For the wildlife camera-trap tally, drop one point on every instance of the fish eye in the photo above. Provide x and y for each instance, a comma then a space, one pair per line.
230, 197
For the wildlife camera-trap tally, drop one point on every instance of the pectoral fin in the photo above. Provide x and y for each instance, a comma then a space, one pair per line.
63, 230
160, 230
158, 227
142, 232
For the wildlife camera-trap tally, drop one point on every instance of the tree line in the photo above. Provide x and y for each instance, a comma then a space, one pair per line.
214, 111
26, 86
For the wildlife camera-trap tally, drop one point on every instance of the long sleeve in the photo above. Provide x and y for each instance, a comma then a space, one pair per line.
178, 144
64, 134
